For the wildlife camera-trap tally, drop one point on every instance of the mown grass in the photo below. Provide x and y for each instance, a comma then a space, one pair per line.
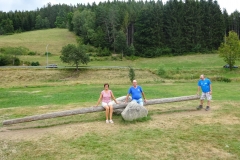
63, 95
182, 67
188, 139
171, 131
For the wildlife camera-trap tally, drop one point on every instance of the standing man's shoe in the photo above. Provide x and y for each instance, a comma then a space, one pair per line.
199, 107
207, 108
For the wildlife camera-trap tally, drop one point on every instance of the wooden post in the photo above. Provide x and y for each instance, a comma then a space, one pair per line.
93, 109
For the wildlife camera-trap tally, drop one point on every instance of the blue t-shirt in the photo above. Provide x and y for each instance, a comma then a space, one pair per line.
135, 92
205, 85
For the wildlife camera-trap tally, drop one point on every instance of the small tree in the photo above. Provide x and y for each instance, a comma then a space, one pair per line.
230, 49
73, 54
131, 74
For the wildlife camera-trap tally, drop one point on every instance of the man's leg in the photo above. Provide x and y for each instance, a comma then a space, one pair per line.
203, 96
140, 102
209, 98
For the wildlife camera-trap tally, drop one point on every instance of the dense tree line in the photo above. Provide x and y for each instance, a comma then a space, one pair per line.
50, 16
147, 29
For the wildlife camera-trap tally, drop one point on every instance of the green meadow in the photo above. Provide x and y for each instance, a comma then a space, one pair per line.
171, 131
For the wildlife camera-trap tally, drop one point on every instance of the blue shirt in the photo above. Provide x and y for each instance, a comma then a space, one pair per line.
135, 92
205, 85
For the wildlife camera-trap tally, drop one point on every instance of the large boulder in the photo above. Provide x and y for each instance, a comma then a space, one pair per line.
134, 111
120, 100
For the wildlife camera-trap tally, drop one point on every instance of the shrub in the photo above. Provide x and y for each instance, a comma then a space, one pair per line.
5, 60
132, 58
166, 51
103, 52
35, 64
14, 50
49, 53
31, 53
27, 63
89, 48
222, 79
161, 71
16, 61
130, 51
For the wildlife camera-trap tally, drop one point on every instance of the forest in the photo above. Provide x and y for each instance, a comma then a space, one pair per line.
133, 28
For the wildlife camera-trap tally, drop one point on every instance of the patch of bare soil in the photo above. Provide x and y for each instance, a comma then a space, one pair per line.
167, 116
29, 130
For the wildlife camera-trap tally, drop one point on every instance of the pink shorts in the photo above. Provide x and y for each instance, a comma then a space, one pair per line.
104, 104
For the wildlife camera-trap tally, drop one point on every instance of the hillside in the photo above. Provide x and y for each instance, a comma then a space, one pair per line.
38, 40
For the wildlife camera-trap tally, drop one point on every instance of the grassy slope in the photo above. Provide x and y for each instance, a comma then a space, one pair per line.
38, 40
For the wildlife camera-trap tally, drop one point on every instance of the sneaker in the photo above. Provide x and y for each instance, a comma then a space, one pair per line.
207, 108
111, 121
199, 107
107, 121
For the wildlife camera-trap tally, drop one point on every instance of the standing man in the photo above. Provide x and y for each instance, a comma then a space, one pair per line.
137, 93
206, 87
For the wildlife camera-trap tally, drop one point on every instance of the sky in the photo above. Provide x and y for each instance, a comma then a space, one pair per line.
23, 5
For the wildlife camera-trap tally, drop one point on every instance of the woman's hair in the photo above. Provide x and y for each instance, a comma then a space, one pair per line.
106, 84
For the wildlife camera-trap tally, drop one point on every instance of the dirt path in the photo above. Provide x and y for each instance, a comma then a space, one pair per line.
163, 120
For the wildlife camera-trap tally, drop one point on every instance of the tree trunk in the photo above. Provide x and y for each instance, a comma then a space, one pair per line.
94, 109
127, 36
132, 33
77, 66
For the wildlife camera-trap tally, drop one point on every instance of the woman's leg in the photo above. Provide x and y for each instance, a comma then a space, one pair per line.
107, 111
111, 112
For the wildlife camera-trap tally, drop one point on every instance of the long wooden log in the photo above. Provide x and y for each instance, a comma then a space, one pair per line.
93, 109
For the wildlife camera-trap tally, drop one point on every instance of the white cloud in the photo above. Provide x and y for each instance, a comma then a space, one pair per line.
8, 5
229, 5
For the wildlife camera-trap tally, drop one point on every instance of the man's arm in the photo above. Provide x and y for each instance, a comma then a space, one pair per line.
198, 90
143, 95
210, 89
127, 98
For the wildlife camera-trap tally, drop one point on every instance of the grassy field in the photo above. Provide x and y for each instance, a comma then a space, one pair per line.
171, 131
38, 40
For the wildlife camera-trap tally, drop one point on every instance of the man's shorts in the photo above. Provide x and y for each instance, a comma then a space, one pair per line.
206, 95
104, 104
139, 101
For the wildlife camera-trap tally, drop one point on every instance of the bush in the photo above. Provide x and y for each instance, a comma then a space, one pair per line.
14, 50
49, 53
103, 52
166, 51
5, 60
90, 48
222, 79
130, 51
116, 57
27, 63
35, 64
31, 53
161, 71
132, 58
16, 61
